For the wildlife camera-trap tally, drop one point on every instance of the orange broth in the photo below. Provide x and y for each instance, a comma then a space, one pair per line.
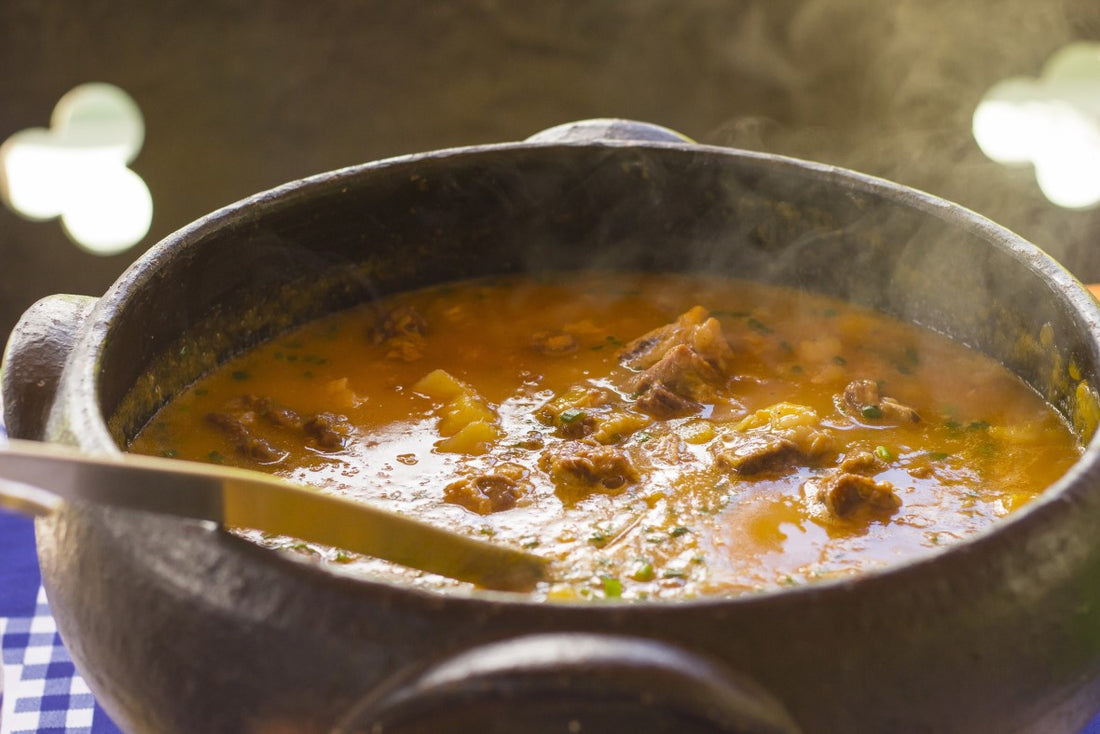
503, 408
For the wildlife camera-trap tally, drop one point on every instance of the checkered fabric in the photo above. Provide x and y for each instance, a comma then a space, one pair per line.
40, 690
43, 694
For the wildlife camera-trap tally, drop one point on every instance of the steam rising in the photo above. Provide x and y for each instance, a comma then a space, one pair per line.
890, 89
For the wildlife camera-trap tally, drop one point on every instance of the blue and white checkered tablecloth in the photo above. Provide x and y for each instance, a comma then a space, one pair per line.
42, 692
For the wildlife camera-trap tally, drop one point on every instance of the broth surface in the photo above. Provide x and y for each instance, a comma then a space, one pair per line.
658, 436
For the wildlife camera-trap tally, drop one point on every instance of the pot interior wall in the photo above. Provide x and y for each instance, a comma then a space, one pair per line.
284, 257
241, 96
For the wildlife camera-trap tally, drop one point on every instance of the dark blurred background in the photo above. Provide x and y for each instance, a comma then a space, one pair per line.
240, 96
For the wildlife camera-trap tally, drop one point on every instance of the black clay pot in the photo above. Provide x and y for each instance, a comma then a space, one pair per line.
181, 627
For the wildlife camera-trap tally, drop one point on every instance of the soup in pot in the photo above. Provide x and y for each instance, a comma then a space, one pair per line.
656, 435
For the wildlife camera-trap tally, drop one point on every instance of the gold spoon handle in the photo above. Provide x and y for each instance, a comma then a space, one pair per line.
248, 499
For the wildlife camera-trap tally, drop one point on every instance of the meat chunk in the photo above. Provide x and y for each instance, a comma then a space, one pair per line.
580, 468
758, 453
680, 365
763, 438
401, 331
681, 371
694, 329
846, 495
246, 414
326, 430
239, 434
268, 410
864, 398
490, 492
661, 403
574, 413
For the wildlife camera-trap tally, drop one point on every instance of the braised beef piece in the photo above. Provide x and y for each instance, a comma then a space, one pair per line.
326, 430
681, 373
247, 444
584, 467
575, 424
268, 409
485, 493
661, 403
401, 331
574, 414
757, 453
864, 398
679, 365
845, 495
694, 328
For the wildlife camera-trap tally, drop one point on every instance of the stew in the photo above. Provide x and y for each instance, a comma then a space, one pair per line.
657, 435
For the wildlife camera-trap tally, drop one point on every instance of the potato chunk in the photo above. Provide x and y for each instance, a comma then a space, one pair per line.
466, 422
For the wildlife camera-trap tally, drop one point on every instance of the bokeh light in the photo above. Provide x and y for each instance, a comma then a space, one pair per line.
77, 170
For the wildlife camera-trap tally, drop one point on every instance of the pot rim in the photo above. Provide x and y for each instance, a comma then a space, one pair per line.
79, 386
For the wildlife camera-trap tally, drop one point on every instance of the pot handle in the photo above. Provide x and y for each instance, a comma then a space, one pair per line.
609, 128
570, 682
36, 353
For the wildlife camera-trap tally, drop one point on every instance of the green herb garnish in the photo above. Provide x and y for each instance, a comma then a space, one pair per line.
612, 587
570, 415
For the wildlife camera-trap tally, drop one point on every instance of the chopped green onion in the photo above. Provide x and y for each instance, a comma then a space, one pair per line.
871, 411
883, 453
612, 587
571, 414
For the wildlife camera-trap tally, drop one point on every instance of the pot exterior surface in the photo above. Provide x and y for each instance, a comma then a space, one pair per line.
181, 627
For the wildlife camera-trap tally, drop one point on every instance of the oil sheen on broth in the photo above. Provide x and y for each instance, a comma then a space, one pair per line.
659, 436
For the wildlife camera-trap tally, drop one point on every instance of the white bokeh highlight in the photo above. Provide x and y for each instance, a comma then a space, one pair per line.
1051, 122
77, 170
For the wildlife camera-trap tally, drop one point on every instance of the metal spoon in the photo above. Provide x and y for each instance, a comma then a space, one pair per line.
36, 477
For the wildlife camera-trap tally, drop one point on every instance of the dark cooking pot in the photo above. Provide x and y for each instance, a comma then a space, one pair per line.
180, 627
